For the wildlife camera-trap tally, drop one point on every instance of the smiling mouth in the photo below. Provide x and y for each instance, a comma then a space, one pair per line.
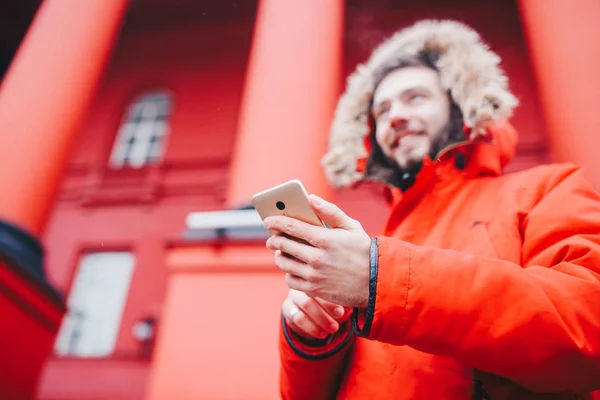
396, 142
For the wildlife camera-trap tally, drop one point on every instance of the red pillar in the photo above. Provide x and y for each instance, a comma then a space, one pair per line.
44, 98
563, 42
291, 89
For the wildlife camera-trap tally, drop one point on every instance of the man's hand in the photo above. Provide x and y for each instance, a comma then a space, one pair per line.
333, 264
312, 318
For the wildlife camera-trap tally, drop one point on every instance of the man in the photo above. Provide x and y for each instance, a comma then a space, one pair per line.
482, 285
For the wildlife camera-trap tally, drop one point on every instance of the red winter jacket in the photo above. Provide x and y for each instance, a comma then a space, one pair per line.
481, 285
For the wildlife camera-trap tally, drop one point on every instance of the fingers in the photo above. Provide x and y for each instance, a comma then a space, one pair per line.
293, 266
339, 313
300, 251
309, 317
312, 308
332, 214
300, 323
300, 284
314, 235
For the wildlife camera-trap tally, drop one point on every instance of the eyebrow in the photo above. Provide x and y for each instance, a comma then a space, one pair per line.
407, 90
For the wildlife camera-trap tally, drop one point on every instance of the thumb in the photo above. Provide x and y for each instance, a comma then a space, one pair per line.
331, 214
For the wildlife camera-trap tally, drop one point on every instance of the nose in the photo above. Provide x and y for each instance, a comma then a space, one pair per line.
398, 116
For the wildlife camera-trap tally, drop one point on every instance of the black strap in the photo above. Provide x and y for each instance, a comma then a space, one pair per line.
479, 392
21, 248
23, 253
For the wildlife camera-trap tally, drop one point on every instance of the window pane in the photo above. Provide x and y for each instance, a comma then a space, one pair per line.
140, 149
96, 304
156, 150
149, 111
122, 146
135, 111
141, 138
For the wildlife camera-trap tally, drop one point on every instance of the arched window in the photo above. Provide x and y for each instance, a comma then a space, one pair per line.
142, 137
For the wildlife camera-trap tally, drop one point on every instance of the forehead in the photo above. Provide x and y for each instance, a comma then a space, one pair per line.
404, 79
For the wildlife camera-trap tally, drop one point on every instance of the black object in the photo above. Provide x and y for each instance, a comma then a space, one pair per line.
460, 162
24, 253
478, 392
280, 205
407, 179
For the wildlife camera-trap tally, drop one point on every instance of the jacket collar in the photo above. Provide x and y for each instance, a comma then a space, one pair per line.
466, 160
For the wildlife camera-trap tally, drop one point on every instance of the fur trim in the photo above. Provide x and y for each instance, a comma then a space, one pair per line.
467, 68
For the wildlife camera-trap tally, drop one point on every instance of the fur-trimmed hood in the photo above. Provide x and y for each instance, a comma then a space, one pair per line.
468, 69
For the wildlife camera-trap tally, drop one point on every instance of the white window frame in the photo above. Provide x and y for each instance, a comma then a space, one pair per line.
143, 134
95, 304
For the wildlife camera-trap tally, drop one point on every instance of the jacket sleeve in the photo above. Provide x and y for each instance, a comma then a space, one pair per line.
312, 371
537, 324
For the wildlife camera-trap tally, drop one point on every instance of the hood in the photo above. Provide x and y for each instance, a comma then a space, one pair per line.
468, 70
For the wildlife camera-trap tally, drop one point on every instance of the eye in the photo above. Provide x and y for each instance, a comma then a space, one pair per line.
382, 110
416, 97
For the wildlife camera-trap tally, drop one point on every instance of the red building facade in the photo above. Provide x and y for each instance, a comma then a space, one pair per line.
191, 107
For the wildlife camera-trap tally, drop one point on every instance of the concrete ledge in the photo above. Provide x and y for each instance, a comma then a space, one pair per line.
231, 225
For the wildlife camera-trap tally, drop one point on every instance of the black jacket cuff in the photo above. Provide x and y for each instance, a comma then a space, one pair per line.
318, 349
370, 312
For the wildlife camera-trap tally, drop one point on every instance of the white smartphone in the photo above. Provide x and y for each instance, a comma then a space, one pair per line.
289, 199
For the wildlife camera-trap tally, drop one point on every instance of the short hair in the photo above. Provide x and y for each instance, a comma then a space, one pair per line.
423, 59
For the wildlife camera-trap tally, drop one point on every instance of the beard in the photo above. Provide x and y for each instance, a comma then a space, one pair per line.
382, 168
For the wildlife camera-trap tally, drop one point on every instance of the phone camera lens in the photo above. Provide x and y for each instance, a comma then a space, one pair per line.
280, 205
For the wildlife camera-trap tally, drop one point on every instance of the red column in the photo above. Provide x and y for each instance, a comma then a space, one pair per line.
44, 98
291, 89
563, 42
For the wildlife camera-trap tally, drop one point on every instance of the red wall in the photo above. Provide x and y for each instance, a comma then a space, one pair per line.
143, 210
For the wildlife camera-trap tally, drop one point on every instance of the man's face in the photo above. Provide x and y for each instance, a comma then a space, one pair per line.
412, 113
